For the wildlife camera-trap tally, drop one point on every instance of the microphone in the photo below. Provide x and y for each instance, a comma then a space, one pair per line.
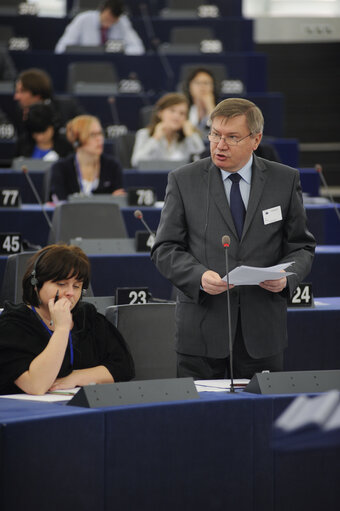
139, 215
226, 244
318, 169
113, 109
36, 194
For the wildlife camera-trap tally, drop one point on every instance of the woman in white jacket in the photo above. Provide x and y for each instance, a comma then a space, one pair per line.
170, 135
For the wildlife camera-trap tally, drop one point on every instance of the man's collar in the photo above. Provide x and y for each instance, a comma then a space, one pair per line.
245, 171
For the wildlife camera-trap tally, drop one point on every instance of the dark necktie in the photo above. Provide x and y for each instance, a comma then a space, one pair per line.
103, 35
236, 203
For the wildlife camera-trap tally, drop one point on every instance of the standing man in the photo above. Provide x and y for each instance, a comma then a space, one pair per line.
269, 228
94, 28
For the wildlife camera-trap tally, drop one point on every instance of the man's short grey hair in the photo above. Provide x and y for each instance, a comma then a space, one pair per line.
232, 107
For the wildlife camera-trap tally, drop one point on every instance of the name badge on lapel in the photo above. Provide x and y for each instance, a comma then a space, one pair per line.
272, 215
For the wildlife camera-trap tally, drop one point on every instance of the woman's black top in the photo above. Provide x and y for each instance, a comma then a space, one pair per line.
65, 181
95, 342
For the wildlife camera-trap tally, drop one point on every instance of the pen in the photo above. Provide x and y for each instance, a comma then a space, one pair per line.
56, 298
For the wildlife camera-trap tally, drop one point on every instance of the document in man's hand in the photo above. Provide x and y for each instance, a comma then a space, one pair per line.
252, 275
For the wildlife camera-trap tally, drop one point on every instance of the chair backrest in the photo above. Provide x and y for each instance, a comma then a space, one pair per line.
120, 200
86, 220
190, 35
123, 147
32, 164
83, 5
145, 113
184, 4
9, 7
105, 246
149, 330
14, 271
77, 48
6, 32
165, 165
92, 78
101, 303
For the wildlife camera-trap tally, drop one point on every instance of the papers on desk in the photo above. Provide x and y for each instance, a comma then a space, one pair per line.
50, 397
252, 275
219, 385
309, 422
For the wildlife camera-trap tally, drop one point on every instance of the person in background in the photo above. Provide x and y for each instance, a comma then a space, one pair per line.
94, 28
53, 340
8, 71
201, 91
89, 170
170, 135
35, 86
258, 204
41, 139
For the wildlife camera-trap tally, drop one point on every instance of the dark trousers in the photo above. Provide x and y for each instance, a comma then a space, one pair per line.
244, 366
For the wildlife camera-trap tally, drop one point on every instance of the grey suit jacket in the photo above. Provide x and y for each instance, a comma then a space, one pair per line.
195, 216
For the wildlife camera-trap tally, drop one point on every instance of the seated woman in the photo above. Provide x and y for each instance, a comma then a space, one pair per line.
53, 340
169, 136
89, 170
201, 91
40, 138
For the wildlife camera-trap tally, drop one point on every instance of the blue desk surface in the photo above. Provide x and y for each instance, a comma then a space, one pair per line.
310, 179
44, 33
111, 271
29, 220
314, 336
206, 454
249, 67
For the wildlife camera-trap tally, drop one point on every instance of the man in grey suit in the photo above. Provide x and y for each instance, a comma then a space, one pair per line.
188, 249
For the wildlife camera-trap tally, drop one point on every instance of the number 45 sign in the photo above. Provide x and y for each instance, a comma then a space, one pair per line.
10, 243
302, 297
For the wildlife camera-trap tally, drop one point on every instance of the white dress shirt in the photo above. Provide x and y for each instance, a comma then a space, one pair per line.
84, 30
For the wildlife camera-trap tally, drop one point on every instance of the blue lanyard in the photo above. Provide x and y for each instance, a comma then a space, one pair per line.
70, 343
80, 181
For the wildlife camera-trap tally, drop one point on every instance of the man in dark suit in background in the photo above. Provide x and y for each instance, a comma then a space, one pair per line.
188, 248
35, 86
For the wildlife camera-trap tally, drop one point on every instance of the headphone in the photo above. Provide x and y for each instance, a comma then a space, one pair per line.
73, 134
34, 280
76, 143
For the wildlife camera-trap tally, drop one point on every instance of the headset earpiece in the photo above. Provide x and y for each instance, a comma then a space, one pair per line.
34, 279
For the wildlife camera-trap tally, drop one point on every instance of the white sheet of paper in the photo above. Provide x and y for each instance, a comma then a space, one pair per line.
252, 275
60, 395
218, 385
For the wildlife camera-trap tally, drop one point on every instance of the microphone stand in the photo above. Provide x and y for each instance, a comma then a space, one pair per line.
155, 43
139, 215
318, 169
39, 201
226, 243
